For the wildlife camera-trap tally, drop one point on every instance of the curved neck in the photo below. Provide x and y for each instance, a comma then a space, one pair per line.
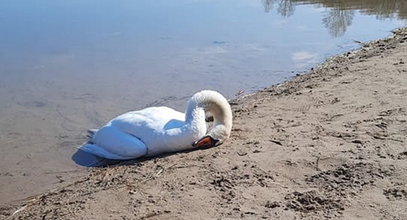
222, 120
195, 120
217, 105
194, 114
221, 116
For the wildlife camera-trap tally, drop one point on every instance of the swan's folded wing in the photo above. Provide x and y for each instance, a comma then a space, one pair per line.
100, 152
111, 143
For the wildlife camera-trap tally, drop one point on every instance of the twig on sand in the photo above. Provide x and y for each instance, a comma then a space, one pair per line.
149, 215
158, 173
317, 164
16, 212
41, 196
22, 208
133, 185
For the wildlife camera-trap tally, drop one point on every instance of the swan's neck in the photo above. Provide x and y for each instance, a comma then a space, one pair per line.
195, 120
222, 121
218, 106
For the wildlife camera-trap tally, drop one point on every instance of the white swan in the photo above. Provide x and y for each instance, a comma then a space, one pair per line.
157, 130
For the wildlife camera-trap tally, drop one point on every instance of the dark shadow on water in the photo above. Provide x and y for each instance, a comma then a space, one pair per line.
85, 159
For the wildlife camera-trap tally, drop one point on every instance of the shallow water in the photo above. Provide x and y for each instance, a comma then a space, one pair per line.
67, 66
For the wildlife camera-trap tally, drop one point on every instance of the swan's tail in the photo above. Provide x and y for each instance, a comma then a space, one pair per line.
100, 152
91, 132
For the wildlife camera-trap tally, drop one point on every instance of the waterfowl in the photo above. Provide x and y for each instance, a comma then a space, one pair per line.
156, 130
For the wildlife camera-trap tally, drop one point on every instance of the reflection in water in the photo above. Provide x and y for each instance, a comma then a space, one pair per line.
285, 7
337, 21
341, 13
383, 9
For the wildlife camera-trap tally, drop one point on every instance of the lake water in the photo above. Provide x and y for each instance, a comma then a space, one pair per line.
66, 66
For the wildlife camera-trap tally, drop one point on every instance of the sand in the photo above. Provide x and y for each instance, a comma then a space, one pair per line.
327, 144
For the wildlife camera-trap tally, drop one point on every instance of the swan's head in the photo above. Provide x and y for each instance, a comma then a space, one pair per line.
206, 141
221, 111
216, 136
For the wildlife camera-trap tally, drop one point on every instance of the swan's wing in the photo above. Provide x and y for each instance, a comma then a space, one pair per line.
111, 143
101, 152
133, 134
149, 121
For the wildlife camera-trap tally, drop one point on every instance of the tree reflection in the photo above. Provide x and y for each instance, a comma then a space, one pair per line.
340, 13
337, 21
268, 5
285, 7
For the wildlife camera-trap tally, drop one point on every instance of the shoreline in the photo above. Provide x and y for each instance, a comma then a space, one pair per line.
325, 144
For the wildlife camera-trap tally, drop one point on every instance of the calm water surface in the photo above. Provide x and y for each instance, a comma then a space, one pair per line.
66, 66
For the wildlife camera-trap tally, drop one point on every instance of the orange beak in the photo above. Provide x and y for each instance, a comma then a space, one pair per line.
206, 141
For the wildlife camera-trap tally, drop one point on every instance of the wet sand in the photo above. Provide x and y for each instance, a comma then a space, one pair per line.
327, 144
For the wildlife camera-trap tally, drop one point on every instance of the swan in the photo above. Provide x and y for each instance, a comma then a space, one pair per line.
156, 130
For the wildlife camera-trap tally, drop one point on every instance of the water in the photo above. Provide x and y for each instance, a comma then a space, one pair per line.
67, 66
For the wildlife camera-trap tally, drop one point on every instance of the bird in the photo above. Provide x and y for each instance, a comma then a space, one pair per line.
157, 130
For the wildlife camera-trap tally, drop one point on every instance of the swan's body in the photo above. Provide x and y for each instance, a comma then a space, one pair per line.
157, 130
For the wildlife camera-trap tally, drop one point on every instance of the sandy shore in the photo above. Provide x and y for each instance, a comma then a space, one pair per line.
327, 144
